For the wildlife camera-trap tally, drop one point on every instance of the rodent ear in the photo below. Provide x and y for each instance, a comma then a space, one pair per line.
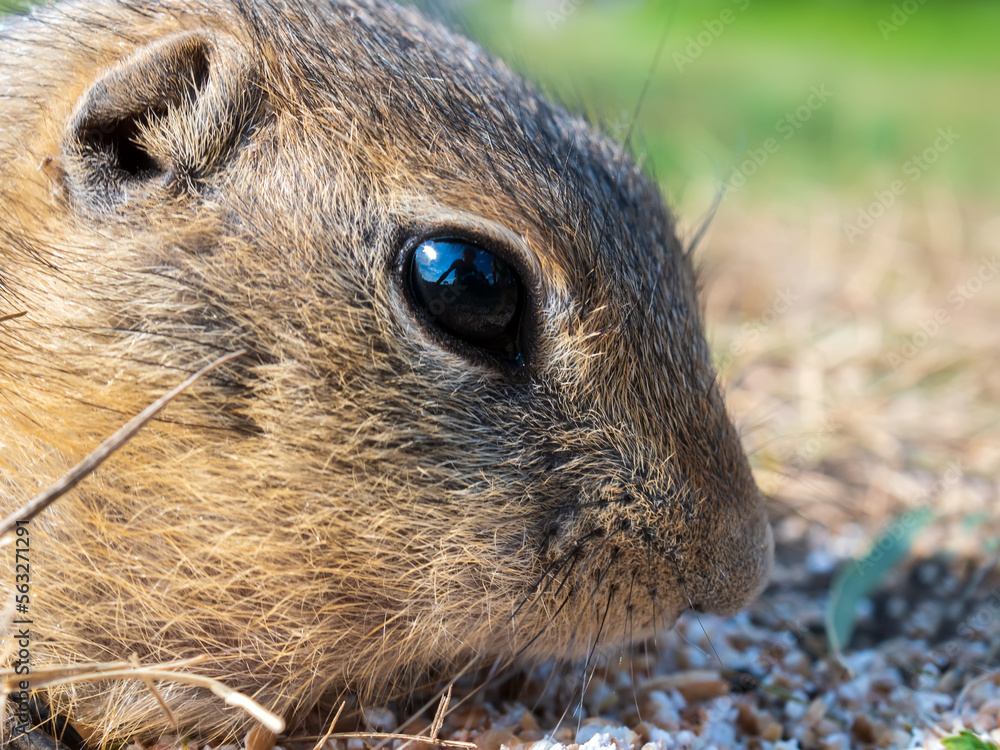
166, 116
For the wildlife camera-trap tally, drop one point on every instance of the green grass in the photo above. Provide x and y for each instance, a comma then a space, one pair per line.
966, 740
890, 95
939, 69
12, 6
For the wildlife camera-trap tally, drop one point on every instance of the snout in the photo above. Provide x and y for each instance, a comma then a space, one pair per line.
733, 566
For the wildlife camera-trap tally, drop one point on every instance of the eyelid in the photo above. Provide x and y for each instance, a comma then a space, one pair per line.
427, 219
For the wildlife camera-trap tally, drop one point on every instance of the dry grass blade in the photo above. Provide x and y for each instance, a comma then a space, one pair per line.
438, 722
333, 723
261, 738
79, 472
405, 737
972, 685
134, 661
42, 676
12, 316
128, 671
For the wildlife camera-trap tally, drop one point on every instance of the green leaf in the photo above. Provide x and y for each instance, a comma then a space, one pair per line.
11, 6
862, 576
966, 740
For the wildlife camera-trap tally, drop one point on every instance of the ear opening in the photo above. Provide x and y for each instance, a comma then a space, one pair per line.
166, 112
120, 145
112, 126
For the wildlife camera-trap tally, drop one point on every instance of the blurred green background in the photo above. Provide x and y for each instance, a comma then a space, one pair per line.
731, 70
897, 72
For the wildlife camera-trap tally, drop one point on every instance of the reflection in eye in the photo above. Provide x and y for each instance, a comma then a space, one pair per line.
470, 293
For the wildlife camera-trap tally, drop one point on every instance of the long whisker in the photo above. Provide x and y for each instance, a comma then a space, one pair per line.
597, 636
701, 624
547, 576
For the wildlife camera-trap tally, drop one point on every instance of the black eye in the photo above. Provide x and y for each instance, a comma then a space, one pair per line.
471, 294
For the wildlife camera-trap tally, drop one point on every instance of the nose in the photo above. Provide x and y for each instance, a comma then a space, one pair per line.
734, 566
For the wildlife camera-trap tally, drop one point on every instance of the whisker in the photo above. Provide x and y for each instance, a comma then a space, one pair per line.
699, 234
545, 625
630, 626
546, 577
701, 624
597, 636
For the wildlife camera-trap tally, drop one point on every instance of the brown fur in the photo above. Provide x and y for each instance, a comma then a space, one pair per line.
352, 503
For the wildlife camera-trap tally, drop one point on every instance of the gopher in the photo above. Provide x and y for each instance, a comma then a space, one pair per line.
476, 418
